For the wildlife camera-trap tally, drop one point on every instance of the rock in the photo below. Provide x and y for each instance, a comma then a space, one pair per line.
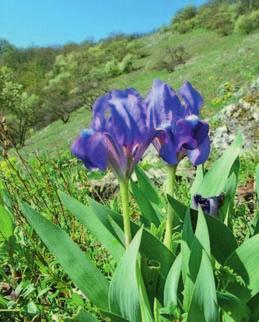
240, 117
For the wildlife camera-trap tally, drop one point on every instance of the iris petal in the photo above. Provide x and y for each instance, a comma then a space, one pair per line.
120, 124
121, 114
166, 146
163, 104
190, 132
89, 147
191, 98
201, 153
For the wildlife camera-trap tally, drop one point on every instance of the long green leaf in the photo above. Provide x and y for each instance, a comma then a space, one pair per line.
148, 212
124, 297
226, 211
6, 224
186, 246
93, 223
203, 307
147, 186
172, 283
113, 317
74, 262
245, 262
223, 242
197, 180
202, 232
146, 314
216, 178
150, 246
257, 181
237, 310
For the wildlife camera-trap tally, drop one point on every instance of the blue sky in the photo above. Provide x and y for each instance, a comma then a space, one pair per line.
52, 22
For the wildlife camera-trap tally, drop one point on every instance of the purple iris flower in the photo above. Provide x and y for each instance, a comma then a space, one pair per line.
176, 116
119, 133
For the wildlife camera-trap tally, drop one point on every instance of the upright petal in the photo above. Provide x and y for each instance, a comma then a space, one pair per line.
201, 153
122, 114
191, 98
163, 105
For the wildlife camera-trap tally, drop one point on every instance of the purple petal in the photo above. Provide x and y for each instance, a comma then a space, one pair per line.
166, 146
122, 114
163, 105
191, 98
89, 147
190, 132
98, 150
201, 153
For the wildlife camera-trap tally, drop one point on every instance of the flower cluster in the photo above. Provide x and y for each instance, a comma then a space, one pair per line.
124, 125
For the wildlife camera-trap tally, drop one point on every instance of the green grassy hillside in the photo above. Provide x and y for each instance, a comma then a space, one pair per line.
212, 61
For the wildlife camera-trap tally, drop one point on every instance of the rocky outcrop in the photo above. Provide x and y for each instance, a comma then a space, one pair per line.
243, 117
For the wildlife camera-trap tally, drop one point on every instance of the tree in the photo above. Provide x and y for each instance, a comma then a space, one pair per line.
17, 105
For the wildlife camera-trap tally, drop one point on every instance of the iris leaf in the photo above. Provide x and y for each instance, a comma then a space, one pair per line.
216, 178
172, 282
74, 262
237, 310
124, 299
203, 307
148, 212
245, 262
93, 223
147, 187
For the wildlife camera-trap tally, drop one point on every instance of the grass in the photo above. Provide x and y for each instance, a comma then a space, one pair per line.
213, 61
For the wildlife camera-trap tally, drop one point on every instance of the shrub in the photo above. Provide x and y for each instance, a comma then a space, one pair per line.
245, 24
222, 22
126, 65
184, 26
185, 14
112, 68
172, 57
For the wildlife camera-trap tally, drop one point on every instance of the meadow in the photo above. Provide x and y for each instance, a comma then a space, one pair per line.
142, 239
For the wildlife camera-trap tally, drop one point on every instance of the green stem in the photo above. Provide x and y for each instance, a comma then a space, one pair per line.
170, 213
124, 191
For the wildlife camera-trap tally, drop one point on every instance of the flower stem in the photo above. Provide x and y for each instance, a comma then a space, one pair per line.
124, 191
170, 213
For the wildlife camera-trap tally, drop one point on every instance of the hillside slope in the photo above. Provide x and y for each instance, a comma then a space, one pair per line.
212, 62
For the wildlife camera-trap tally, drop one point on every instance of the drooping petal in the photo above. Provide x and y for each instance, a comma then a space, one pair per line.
201, 153
90, 148
142, 147
166, 146
191, 98
97, 150
122, 114
163, 105
190, 132
117, 158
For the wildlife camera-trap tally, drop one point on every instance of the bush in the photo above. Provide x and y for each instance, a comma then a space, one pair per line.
184, 26
112, 68
219, 18
185, 14
245, 24
222, 22
171, 58
126, 65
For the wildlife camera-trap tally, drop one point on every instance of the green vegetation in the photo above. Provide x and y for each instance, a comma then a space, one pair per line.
55, 83
211, 61
46, 97
228, 16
